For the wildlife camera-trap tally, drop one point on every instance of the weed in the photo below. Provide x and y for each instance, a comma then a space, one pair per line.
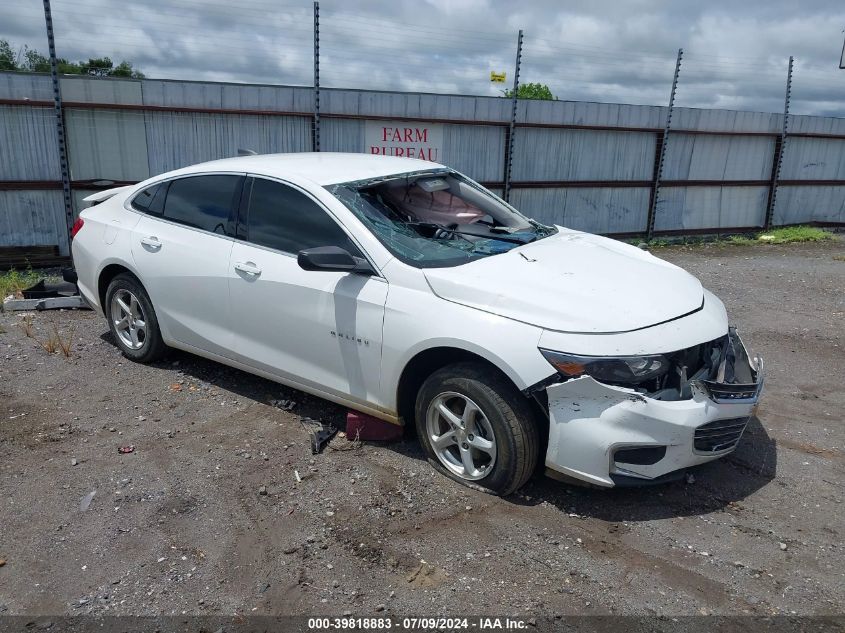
65, 344
55, 342
51, 344
25, 325
839, 258
12, 282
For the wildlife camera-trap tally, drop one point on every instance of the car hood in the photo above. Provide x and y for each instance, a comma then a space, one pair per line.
573, 282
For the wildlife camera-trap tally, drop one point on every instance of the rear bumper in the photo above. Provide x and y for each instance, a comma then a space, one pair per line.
609, 436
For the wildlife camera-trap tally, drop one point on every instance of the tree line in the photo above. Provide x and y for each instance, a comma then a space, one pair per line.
30, 60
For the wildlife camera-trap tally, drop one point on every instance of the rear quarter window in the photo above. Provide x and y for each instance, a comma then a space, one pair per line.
151, 199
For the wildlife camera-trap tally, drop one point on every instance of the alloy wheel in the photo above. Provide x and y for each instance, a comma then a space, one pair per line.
128, 318
461, 435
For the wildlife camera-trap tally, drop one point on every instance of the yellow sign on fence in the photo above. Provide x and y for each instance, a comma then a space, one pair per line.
497, 78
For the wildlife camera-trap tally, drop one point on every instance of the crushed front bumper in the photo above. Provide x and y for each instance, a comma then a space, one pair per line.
608, 436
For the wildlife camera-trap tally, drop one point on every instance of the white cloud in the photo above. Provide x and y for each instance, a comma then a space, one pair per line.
594, 50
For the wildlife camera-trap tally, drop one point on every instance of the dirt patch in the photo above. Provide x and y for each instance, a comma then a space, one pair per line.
207, 516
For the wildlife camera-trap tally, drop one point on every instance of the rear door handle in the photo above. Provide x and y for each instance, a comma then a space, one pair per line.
247, 267
151, 241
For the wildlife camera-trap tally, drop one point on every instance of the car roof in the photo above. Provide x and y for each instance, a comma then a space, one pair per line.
323, 168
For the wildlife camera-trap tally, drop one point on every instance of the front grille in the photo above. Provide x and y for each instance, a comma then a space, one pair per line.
719, 435
727, 392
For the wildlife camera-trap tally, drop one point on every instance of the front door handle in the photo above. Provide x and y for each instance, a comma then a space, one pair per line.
248, 267
151, 241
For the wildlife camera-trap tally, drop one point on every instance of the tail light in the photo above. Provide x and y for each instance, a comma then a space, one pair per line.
76, 226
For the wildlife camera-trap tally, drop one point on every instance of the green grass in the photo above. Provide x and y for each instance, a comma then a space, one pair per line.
13, 281
787, 234
783, 235
741, 240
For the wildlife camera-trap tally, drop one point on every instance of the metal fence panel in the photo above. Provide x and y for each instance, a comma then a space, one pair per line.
802, 123
78, 204
28, 149
549, 154
589, 113
797, 204
178, 139
477, 151
342, 135
107, 145
270, 98
726, 120
698, 157
813, 159
413, 105
182, 93
26, 86
33, 218
95, 90
693, 208
194, 94
597, 210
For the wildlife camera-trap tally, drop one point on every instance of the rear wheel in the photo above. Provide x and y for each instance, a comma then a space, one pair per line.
477, 428
132, 320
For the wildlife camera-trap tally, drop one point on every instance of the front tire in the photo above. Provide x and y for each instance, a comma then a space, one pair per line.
477, 428
132, 320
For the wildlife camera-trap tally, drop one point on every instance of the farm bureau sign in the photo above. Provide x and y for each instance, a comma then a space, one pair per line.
398, 138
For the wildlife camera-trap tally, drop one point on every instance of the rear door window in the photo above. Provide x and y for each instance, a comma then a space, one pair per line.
287, 220
204, 202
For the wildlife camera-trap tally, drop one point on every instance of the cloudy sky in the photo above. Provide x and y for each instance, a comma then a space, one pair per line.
735, 53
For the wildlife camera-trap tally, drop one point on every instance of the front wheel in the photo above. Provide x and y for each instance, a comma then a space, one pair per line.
132, 320
477, 428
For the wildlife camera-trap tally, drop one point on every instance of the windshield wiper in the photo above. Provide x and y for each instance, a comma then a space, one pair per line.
446, 229
538, 227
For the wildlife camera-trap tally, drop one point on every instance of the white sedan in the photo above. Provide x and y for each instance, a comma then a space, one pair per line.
402, 289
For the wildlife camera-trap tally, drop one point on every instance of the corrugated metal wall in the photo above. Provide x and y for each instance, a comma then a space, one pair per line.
597, 210
589, 166
32, 218
203, 137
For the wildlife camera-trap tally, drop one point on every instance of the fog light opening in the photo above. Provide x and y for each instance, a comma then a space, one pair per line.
643, 456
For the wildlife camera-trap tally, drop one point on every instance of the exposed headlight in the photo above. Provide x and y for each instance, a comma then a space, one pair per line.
619, 369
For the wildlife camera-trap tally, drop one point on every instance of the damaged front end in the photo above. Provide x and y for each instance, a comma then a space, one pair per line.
637, 420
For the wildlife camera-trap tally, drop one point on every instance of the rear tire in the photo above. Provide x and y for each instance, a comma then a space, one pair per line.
477, 428
132, 320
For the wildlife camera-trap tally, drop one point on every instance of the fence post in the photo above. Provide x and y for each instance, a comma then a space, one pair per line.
60, 121
660, 154
506, 192
777, 159
315, 139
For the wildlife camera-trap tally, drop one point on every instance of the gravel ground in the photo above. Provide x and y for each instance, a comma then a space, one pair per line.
206, 516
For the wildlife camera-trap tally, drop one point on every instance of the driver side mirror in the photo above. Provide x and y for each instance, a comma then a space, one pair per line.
333, 258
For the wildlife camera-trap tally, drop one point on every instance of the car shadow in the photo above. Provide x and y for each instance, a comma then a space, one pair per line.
246, 385
713, 486
706, 488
